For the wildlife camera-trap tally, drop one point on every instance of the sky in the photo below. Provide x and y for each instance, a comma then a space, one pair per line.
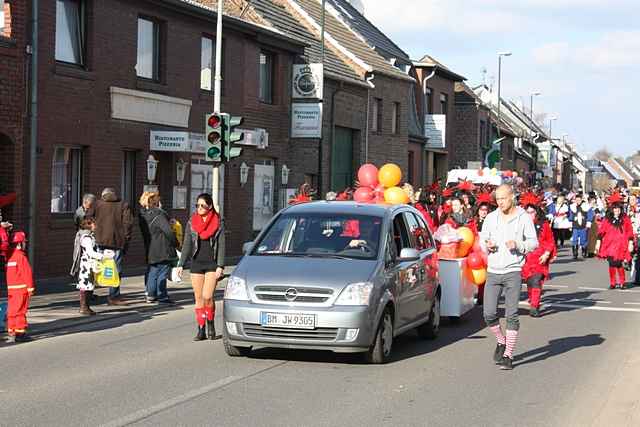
582, 55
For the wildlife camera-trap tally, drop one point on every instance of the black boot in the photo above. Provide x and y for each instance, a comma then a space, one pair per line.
211, 330
584, 252
201, 335
575, 252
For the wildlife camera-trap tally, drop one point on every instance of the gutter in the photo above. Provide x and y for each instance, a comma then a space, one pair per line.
33, 143
369, 78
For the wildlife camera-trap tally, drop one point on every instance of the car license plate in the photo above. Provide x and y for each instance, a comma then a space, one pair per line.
288, 320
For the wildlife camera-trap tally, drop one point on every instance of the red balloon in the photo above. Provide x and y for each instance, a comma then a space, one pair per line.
379, 190
368, 175
476, 246
474, 261
363, 195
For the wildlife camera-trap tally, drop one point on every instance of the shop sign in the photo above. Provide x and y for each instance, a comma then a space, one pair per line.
170, 141
307, 81
435, 127
306, 120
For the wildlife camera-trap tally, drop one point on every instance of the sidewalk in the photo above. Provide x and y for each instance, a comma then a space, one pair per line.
55, 308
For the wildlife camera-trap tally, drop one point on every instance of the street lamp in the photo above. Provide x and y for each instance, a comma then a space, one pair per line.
500, 55
531, 105
551, 119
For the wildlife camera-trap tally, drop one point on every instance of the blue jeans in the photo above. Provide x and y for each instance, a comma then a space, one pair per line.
115, 292
157, 280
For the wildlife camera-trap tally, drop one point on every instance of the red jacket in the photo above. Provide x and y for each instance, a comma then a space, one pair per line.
546, 242
4, 242
19, 274
614, 241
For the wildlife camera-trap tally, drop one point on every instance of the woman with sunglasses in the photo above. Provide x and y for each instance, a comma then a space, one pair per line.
536, 267
201, 247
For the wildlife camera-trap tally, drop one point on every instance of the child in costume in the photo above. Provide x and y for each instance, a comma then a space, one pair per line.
20, 288
536, 267
615, 240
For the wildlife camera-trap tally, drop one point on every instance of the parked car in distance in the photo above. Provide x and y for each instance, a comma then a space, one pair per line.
339, 276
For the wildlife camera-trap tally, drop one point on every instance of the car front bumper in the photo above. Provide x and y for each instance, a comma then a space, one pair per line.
334, 327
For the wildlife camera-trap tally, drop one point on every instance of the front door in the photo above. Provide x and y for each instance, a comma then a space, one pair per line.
342, 159
263, 186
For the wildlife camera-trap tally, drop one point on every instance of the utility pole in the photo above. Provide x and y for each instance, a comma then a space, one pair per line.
500, 55
217, 170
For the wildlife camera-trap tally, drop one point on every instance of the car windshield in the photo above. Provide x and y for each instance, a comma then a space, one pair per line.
322, 236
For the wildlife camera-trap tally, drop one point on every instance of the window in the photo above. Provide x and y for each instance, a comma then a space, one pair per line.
419, 231
128, 184
483, 133
376, 115
266, 77
428, 100
66, 179
148, 65
207, 63
400, 235
5, 19
395, 118
70, 31
444, 104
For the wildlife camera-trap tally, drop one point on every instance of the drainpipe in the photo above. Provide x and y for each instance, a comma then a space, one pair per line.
333, 136
424, 91
369, 78
34, 130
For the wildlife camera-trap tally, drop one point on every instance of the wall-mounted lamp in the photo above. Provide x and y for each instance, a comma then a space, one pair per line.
152, 168
285, 175
181, 168
244, 173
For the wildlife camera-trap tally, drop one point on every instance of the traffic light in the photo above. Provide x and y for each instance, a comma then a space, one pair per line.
214, 132
231, 136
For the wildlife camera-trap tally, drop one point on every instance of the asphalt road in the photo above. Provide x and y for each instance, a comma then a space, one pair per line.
574, 366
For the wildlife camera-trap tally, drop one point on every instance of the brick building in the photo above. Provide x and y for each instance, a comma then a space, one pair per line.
140, 74
437, 107
14, 62
472, 132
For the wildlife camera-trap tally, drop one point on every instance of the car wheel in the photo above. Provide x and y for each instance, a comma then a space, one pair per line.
232, 350
430, 329
380, 351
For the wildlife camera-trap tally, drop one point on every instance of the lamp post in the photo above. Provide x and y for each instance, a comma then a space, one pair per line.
531, 103
500, 55
551, 119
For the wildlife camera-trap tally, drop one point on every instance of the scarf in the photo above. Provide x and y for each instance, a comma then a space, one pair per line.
207, 228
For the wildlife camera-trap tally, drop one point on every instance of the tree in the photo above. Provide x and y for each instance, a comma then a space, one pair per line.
602, 154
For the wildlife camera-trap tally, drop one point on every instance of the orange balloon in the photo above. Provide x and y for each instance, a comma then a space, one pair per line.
390, 175
395, 196
478, 277
467, 235
463, 249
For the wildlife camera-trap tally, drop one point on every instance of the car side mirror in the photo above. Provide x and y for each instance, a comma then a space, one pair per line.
409, 254
247, 247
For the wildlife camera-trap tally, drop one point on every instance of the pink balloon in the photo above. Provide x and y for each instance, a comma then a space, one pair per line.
474, 261
368, 175
379, 190
363, 195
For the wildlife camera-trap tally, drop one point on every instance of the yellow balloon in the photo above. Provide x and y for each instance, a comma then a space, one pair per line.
478, 277
395, 196
467, 235
494, 171
390, 175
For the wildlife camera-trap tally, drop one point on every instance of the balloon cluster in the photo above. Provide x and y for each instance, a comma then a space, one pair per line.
476, 262
380, 186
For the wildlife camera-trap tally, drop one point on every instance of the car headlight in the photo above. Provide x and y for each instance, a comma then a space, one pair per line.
355, 294
236, 289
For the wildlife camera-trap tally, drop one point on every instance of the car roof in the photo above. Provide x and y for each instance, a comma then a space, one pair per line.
348, 208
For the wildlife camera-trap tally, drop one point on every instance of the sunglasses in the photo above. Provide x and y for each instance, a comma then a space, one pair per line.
203, 206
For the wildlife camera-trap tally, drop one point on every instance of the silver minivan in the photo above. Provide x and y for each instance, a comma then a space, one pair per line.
340, 276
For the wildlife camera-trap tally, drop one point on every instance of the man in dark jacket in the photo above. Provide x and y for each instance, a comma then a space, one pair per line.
160, 246
114, 224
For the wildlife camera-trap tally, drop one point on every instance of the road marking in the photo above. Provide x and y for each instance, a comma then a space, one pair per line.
588, 307
591, 289
555, 286
628, 290
632, 303
178, 400
556, 299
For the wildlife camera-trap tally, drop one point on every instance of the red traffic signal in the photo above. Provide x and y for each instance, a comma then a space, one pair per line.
214, 121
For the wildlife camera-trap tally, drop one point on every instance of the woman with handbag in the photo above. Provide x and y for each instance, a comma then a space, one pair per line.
200, 245
161, 249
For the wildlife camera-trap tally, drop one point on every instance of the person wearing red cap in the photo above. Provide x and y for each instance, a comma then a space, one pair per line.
536, 267
615, 240
20, 287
